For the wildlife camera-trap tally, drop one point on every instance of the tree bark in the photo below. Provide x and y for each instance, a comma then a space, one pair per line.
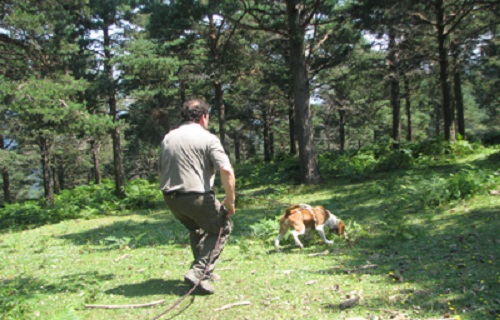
457, 90
45, 163
237, 145
459, 103
5, 176
219, 93
394, 85
61, 175
95, 146
438, 110
271, 138
55, 180
115, 133
309, 171
291, 122
267, 130
219, 105
6, 186
342, 129
409, 125
448, 114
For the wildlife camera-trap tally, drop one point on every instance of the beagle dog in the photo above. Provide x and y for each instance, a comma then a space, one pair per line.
302, 217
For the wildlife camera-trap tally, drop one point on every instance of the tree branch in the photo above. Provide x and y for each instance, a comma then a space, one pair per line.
123, 306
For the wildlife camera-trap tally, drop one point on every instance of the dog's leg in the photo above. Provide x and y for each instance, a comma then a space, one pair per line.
296, 235
321, 231
277, 241
280, 237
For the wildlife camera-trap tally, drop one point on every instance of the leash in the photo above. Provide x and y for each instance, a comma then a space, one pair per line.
175, 304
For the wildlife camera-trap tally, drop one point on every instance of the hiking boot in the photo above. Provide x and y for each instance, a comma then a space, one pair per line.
205, 287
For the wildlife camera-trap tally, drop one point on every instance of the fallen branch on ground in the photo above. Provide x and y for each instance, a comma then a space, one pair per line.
361, 268
122, 257
123, 306
349, 303
396, 277
324, 253
349, 242
229, 306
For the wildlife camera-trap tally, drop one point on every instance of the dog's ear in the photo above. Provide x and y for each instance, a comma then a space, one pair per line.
340, 228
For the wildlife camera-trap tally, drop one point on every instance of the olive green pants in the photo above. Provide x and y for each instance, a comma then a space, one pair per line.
204, 216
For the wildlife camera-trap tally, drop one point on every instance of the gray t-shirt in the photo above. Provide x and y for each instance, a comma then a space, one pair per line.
189, 158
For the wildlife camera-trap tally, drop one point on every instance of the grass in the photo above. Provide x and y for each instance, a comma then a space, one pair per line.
410, 260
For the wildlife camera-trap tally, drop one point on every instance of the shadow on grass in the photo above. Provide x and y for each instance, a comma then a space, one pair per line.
133, 234
166, 231
449, 268
151, 287
24, 287
452, 258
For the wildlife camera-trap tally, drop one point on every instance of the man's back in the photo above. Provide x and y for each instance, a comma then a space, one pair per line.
189, 157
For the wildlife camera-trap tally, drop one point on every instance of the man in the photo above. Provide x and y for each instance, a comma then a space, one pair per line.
189, 158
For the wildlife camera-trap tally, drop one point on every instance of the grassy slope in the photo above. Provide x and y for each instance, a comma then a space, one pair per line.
448, 259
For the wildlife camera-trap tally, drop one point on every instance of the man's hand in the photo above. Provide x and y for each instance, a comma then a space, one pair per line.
229, 207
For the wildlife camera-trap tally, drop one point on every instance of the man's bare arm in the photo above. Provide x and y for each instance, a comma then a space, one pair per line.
229, 182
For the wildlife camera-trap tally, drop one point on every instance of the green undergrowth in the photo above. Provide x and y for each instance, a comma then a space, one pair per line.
83, 202
423, 245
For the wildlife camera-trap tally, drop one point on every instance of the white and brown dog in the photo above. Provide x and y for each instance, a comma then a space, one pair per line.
302, 217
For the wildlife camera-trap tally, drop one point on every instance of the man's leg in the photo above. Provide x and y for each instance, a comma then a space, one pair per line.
212, 218
195, 232
204, 217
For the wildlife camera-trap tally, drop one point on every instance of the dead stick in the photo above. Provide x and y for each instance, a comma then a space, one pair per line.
123, 306
349, 242
229, 306
324, 253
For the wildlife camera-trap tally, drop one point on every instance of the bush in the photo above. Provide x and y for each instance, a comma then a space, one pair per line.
355, 163
85, 202
461, 185
141, 194
266, 229
259, 173
395, 159
23, 214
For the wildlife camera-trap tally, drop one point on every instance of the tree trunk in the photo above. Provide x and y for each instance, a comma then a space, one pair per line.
394, 84
219, 93
438, 110
6, 186
448, 114
459, 103
237, 145
342, 129
45, 163
271, 138
267, 142
219, 105
457, 90
309, 170
409, 127
95, 147
61, 175
115, 133
291, 122
5, 176
55, 180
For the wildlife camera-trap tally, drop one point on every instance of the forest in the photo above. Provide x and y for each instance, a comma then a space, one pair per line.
384, 112
89, 87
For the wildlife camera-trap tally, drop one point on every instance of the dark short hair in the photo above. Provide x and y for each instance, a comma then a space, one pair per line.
193, 109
